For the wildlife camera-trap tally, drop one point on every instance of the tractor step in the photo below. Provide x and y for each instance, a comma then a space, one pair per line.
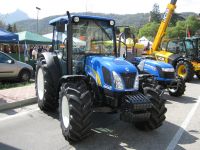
135, 108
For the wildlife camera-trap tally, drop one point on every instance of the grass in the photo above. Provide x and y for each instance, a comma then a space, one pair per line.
12, 84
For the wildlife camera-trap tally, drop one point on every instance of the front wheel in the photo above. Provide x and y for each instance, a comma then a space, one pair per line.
157, 111
177, 88
75, 110
184, 69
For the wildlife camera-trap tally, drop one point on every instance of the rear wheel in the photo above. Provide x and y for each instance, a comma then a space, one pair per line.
45, 90
157, 111
177, 88
184, 69
75, 110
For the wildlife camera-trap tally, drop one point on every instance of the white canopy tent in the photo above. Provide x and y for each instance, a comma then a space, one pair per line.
143, 40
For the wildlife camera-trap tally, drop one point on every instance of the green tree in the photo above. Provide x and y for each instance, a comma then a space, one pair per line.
149, 30
134, 30
178, 31
2, 24
191, 24
155, 15
175, 18
9, 28
15, 28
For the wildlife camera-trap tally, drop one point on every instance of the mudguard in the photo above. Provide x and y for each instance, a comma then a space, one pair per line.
53, 66
174, 58
68, 78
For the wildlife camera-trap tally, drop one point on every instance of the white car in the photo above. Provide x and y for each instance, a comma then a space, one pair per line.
13, 69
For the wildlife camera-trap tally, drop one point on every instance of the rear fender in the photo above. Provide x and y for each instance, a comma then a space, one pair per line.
53, 66
72, 78
181, 59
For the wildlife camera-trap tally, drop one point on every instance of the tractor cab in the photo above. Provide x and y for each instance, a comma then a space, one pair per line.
196, 42
184, 47
81, 36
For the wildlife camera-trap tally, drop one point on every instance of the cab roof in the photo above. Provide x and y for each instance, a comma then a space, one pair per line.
64, 19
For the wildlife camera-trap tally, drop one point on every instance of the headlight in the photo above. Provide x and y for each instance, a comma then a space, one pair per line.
168, 69
117, 81
136, 84
112, 23
76, 19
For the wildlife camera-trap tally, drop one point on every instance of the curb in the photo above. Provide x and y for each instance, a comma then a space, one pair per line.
18, 104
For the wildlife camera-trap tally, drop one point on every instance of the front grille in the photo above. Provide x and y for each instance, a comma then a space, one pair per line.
169, 75
128, 79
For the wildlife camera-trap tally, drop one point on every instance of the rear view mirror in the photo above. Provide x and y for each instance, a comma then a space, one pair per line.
10, 61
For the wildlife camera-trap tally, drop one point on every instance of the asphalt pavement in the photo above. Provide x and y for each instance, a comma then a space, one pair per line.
29, 128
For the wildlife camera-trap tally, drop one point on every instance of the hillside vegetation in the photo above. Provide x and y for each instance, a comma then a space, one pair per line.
136, 20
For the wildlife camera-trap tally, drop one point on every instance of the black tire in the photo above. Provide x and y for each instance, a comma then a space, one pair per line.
79, 108
48, 100
188, 69
24, 76
157, 111
180, 88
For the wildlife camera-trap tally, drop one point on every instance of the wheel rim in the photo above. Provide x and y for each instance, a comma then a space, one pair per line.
173, 90
182, 71
40, 84
65, 111
174, 87
25, 76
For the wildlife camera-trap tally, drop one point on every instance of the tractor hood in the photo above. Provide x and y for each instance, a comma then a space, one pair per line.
158, 63
112, 73
119, 65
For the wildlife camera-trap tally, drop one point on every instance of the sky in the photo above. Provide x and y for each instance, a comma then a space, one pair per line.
59, 7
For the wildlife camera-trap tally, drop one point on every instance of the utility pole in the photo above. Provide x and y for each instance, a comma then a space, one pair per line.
38, 9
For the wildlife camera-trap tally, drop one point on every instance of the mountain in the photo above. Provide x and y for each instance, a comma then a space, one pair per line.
43, 24
137, 20
15, 16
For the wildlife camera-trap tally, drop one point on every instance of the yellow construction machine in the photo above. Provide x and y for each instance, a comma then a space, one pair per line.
179, 53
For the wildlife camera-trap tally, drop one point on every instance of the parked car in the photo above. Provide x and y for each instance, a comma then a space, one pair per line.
13, 69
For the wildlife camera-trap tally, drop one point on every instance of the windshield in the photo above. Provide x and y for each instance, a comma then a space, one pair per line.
93, 36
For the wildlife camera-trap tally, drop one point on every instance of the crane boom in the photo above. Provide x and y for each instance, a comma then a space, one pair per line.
163, 25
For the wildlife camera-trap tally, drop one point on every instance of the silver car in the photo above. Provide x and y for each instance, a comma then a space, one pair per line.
13, 69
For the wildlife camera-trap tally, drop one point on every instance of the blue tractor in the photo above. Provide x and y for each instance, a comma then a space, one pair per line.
164, 73
82, 74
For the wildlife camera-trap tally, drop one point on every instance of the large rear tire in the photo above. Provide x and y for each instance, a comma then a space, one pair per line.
178, 88
45, 90
184, 69
75, 110
157, 111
